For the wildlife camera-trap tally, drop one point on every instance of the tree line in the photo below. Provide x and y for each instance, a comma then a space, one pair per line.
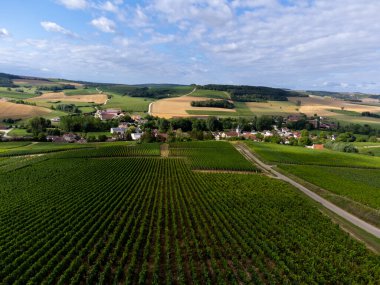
214, 104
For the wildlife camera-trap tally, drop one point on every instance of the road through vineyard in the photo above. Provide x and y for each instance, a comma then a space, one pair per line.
139, 220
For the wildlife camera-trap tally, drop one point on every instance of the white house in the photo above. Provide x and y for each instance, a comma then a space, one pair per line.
136, 136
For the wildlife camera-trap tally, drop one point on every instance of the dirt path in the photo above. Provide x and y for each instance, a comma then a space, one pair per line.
244, 150
164, 148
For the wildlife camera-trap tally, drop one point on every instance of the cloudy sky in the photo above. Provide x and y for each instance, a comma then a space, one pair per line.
298, 44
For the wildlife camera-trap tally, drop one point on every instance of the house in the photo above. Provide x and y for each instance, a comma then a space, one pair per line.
318, 146
70, 138
56, 120
119, 131
108, 114
136, 136
294, 118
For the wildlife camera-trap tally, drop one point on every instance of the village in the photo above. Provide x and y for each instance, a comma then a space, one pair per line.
135, 128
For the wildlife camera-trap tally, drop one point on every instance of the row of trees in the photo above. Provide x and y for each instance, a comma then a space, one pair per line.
245, 93
214, 104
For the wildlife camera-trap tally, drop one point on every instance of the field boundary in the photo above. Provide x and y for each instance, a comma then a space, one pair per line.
327, 204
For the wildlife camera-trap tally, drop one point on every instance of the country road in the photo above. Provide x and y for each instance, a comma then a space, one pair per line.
151, 104
244, 150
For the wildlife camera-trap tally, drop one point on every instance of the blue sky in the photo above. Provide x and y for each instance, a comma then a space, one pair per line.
298, 44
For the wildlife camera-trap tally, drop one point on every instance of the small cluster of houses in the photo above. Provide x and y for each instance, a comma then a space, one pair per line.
66, 138
108, 114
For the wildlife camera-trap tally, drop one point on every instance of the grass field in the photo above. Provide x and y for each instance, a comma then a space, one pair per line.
213, 94
4, 93
129, 104
146, 220
19, 133
354, 176
88, 91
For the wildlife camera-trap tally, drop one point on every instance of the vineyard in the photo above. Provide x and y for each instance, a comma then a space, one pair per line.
137, 218
211, 155
354, 176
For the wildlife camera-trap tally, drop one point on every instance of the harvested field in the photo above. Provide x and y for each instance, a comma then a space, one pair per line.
60, 96
21, 111
321, 106
33, 82
177, 107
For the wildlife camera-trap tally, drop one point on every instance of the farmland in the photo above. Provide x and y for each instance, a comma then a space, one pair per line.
145, 219
60, 96
353, 176
129, 104
211, 156
180, 106
21, 111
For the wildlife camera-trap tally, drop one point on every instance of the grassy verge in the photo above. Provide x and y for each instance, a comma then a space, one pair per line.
363, 212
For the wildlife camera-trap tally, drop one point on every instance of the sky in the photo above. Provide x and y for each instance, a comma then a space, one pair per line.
296, 44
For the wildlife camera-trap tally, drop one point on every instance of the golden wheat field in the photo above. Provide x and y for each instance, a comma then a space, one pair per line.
60, 96
177, 107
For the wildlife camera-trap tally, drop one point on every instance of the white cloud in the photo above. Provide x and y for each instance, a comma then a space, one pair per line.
55, 28
104, 24
4, 33
109, 7
74, 4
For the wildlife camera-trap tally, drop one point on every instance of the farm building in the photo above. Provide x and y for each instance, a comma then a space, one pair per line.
118, 130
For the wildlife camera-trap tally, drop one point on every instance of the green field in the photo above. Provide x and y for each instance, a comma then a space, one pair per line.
19, 133
142, 220
214, 94
88, 91
28, 93
28, 148
129, 104
368, 148
275, 154
211, 156
354, 176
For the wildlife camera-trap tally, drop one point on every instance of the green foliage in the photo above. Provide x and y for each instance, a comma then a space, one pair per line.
135, 220
253, 93
299, 155
211, 155
69, 108
213, 104
38, 125
361, 185
341, 146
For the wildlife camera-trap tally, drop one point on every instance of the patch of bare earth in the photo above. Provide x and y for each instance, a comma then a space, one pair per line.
177, 107
60, 96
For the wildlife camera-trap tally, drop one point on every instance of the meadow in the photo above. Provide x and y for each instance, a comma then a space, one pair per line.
213, 94
129, 104
149, 220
